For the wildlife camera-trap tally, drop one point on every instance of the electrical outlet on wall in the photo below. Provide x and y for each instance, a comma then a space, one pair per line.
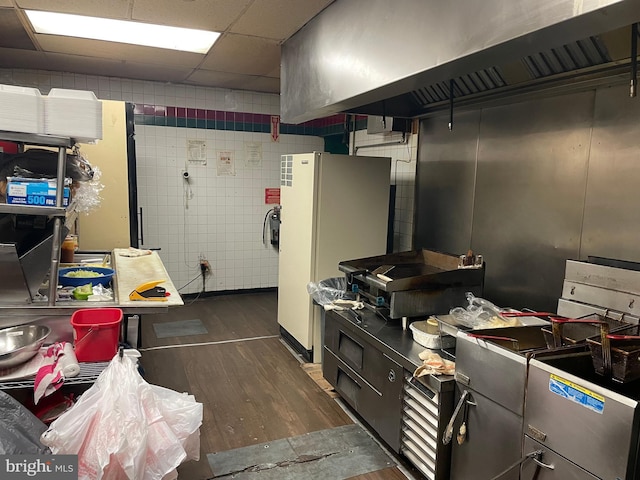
205, 266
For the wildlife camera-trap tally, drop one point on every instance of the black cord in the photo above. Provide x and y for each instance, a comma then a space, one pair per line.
189, 282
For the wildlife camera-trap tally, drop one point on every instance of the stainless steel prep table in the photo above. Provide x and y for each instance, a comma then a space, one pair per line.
130, 272
370, 362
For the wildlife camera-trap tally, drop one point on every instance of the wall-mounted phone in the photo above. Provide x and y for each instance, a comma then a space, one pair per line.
274, 225
273, 215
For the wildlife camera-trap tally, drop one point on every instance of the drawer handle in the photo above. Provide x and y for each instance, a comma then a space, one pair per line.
548, 466
392, 376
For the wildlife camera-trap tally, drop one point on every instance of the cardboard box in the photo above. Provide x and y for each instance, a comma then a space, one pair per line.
35, 191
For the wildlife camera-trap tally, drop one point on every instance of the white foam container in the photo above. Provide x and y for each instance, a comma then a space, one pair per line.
73, 113
430, 337
22, 109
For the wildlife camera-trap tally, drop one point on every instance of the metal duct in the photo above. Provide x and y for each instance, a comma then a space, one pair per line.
394, 58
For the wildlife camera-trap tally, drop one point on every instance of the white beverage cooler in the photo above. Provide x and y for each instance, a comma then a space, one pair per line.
334, 208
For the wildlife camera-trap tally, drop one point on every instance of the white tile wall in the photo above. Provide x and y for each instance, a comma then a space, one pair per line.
223, 217
403, 172
218, 217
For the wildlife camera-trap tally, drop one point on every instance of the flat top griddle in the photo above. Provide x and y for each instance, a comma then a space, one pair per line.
412, 270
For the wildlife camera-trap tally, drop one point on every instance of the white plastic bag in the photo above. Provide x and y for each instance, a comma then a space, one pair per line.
124, 428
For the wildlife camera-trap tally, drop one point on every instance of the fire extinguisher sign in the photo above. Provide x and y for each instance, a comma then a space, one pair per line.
272, 196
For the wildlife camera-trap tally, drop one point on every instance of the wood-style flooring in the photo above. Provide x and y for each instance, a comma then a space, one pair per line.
252, 387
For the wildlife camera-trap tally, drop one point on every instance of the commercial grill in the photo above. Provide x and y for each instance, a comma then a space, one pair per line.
415, 283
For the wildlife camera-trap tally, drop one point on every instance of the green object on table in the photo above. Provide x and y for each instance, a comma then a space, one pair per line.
83, 292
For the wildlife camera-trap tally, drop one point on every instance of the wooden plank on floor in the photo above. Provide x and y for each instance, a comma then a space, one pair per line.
314, 370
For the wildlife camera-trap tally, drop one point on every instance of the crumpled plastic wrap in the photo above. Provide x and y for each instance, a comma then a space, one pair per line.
86, 195
325, 292
125, 428
20, 429
481, 313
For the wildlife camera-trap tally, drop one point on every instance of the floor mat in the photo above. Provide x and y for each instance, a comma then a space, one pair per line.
335, 453
180, 328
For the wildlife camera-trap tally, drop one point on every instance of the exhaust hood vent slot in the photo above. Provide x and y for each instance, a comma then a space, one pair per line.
570, 57
476, 82
567, 58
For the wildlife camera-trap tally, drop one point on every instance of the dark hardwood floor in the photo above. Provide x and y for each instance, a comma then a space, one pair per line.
252, 387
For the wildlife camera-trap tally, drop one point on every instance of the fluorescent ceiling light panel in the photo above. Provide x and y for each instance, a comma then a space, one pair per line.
122, 31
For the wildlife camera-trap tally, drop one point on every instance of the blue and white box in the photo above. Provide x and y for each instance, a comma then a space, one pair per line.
35, 191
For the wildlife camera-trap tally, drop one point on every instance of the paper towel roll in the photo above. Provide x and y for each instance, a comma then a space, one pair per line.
68, 362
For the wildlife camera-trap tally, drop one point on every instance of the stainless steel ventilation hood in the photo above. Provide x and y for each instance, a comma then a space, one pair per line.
395, 58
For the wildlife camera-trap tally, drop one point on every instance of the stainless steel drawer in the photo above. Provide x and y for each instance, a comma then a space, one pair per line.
554, 467
350, 346
380, 408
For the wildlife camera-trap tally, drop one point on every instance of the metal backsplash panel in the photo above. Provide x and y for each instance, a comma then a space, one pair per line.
612, 207
446, 174
532, 170
522, 205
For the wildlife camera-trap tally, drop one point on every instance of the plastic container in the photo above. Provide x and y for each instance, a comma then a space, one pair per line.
103, 278
96, 333
427, 334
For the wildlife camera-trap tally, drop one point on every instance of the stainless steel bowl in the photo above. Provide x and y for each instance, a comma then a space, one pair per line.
20, 344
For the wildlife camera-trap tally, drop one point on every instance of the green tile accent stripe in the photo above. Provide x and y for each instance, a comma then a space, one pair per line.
167, 116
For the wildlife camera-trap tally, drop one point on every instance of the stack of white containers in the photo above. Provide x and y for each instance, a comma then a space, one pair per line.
73, 113
67, 113
21, 109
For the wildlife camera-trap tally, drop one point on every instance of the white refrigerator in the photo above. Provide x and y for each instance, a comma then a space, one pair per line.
334, 208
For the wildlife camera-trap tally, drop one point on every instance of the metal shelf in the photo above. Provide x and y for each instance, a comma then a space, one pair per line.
59, 212
32, 210
89, 373
37, 139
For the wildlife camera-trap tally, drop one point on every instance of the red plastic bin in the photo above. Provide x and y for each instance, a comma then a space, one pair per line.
96, 333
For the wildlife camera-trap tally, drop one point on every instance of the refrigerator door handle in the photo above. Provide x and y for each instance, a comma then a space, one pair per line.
141, 227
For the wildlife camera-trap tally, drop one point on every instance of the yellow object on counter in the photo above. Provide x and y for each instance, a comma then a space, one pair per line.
150, 291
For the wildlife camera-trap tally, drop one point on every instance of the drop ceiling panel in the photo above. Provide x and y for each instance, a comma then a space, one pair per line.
118, 51
277, 19
212, 77
96, 8
6, 3
18, 58
243, 54
234, 81
264, 84
12, 33
214, 15
114, 68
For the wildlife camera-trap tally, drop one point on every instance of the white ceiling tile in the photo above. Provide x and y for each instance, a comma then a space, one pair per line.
96, 8
246, 57
17, 58
214, 78
243, 54
277, 19
264, 84
214, 15
117, 51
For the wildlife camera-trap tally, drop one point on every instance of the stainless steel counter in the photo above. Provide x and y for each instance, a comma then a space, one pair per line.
369, 360
397, 343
